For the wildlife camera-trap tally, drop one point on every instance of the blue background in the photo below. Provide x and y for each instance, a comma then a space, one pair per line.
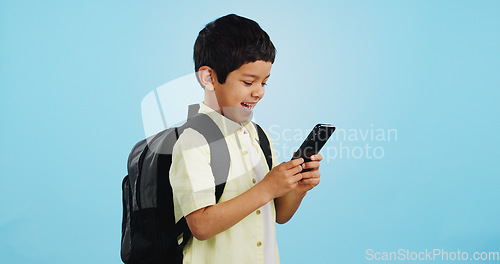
73, 74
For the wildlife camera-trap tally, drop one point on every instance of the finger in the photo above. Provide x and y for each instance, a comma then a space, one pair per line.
310, 165
295, 170
297, 177
310, 174
290, 164
317, 157
312, 181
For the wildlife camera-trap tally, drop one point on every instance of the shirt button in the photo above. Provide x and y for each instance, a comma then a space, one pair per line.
259, 244
258, 212
245, 152
254, 181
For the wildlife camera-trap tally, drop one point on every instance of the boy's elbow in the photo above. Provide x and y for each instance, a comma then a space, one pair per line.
197, 225
199, 233
281, 221
281, 218
200, 237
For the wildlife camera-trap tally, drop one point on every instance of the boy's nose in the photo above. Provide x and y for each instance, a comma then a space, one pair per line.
258, 91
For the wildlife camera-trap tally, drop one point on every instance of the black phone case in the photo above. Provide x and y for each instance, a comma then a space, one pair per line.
314, 141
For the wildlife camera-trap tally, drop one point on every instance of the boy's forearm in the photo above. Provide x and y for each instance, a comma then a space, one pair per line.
287, 205
217, 218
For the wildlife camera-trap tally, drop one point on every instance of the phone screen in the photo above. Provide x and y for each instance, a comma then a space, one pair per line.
314, 141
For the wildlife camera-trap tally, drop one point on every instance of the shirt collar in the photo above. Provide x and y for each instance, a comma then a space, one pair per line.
250, 127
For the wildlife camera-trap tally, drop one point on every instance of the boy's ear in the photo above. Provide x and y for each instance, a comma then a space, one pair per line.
205, 75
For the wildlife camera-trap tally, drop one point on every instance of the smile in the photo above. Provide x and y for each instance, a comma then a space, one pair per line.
248, 106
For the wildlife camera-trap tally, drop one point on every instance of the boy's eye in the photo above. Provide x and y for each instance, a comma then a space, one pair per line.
251, 83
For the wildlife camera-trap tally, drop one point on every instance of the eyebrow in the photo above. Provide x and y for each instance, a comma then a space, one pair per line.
253, 75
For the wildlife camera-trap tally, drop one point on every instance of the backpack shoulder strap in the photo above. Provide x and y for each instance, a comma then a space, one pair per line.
219, 152
265, 145
219, 160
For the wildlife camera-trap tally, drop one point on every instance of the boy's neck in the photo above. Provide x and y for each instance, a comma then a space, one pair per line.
211, 101
215, 107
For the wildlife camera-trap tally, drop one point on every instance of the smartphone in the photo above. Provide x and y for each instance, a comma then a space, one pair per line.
314, 142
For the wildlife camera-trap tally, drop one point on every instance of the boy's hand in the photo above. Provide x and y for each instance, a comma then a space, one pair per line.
283, 178
310, 179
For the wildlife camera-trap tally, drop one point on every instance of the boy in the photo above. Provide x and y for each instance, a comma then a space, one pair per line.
233, 58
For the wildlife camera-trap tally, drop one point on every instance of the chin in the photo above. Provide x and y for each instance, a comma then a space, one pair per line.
237, 114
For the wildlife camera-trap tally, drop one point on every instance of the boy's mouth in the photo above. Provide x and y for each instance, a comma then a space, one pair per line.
248, 106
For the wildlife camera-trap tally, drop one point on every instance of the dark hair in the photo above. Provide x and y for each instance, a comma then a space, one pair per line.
229, 42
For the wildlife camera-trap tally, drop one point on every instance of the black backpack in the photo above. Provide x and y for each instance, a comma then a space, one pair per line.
149, 230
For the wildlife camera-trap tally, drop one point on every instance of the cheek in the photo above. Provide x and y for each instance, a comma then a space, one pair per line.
234, 96
229, 98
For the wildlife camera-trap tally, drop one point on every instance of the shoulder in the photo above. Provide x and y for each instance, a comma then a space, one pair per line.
191, 141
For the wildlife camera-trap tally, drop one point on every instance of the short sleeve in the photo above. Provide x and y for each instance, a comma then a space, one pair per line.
190, 173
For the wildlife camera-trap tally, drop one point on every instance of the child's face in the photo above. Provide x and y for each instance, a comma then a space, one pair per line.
242, 90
